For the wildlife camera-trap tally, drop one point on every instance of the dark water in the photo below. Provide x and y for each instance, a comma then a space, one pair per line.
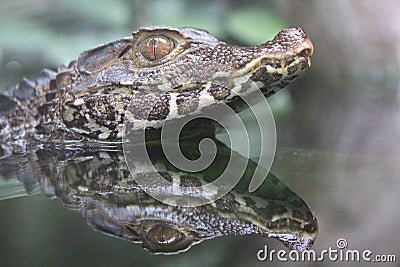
99, 186
338, 128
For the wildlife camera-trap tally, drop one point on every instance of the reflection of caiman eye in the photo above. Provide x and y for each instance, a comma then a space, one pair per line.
164, 235
156, 47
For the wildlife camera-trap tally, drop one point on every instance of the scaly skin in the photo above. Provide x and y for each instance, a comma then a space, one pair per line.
162, 73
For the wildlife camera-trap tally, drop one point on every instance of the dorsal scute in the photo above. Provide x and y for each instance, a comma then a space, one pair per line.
7, 103
25, 90
45, 77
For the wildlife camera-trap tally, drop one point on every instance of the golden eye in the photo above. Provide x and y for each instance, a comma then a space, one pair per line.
163, 235
156, 47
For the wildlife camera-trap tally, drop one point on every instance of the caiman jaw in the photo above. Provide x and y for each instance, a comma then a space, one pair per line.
281, 60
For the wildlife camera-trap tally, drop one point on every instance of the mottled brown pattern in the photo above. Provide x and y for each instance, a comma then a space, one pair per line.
264, 75
220, 89
228, 202
189, 181
150, 107
187, 102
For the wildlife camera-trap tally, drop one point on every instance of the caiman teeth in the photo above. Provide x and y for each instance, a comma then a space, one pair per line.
309, 62
272, 62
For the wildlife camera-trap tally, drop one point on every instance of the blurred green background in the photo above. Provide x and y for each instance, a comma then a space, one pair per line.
338, 127
52, 32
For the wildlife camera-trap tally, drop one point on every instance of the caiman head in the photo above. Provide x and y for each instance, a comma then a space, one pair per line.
163, 73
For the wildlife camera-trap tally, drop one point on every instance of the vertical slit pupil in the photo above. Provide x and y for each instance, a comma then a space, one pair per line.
156, 47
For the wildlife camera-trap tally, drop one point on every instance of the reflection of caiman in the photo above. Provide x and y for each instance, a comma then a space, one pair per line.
164, 74
99, 184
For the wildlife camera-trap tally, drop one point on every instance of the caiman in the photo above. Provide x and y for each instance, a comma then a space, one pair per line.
163, 73
158, 74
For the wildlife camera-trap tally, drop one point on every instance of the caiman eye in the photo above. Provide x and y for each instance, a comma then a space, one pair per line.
162, 235
156, 47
